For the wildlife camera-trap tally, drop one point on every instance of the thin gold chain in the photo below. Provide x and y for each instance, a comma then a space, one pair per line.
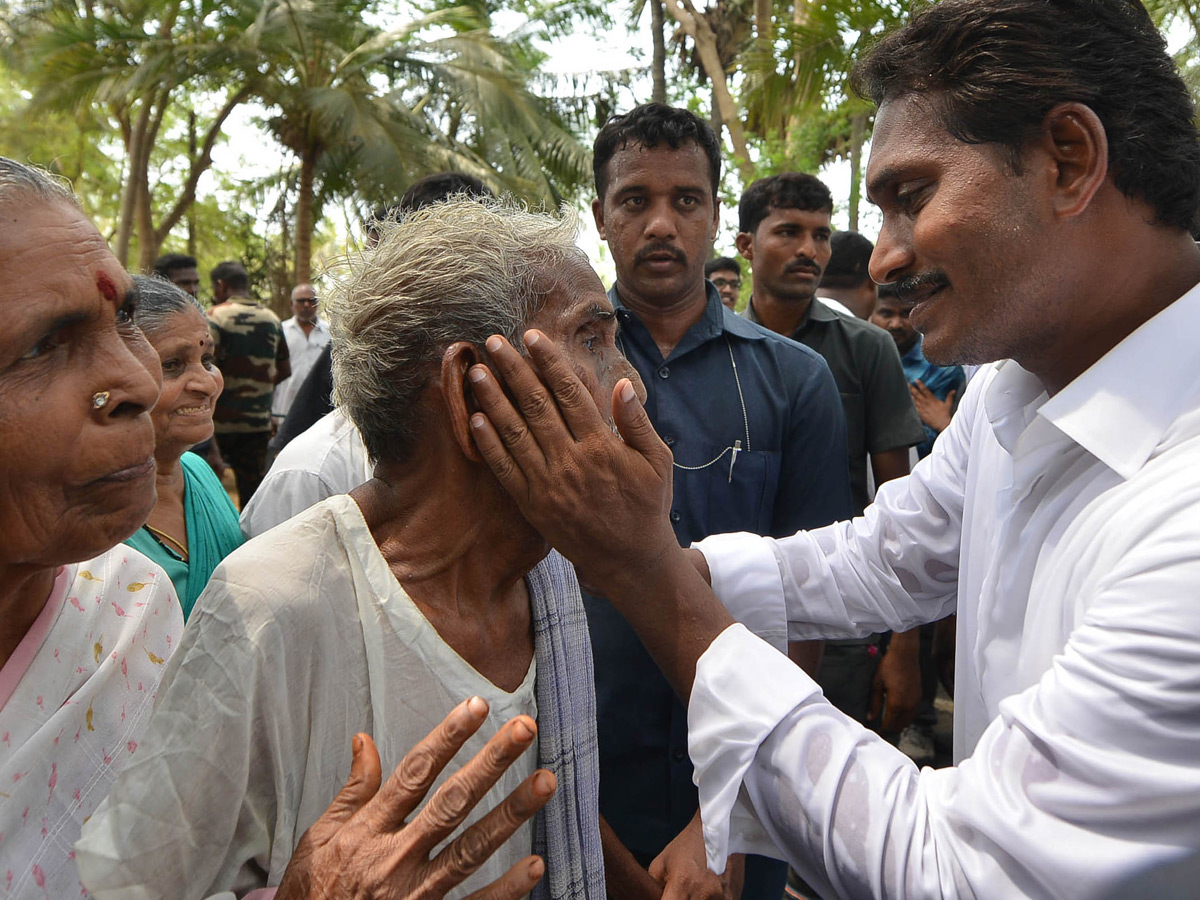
180, 546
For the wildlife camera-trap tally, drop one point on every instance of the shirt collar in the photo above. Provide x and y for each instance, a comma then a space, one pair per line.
717, 319
1120, 408
816, 312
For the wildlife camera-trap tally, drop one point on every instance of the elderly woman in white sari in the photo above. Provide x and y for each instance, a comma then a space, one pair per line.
84, 630
87, 623
377, 610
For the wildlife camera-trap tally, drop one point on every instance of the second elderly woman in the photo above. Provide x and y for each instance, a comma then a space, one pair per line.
193, 525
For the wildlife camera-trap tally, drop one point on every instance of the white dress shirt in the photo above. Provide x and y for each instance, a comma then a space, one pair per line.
330, 458
303, 350
1065, 532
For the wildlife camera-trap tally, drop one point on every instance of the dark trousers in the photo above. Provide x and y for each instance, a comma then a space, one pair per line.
846, 673
246, 454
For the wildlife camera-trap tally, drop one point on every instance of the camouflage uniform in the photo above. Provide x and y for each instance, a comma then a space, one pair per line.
249, 345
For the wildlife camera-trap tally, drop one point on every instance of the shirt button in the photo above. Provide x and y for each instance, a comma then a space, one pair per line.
664, 372
678, 755
675, 516
669, 440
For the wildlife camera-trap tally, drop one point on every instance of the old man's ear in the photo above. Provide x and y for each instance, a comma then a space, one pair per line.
456, 390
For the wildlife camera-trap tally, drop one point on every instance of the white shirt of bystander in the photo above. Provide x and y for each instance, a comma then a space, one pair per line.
328, 459
303, 350
1065, 531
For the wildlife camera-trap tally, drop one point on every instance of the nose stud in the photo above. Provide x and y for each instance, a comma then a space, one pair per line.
100, 399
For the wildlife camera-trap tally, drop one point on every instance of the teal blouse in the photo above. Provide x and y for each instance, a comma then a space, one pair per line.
212, 532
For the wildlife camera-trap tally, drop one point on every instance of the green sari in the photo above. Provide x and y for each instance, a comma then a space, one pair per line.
212, 533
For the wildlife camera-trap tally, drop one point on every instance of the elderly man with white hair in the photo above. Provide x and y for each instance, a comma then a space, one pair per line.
381, 610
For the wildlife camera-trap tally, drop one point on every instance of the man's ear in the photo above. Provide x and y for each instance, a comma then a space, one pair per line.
1074, 137
456, 392
598, 215
745, 244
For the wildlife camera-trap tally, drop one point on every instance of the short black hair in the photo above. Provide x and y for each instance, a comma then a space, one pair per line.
233, 273
993, 69
648, 126
172, 262
431, 189
722, 263
888, 291
849, 260
788, 190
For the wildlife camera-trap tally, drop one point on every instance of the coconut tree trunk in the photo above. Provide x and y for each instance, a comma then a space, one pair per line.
762, 25
304, 215
858, 135
658, 92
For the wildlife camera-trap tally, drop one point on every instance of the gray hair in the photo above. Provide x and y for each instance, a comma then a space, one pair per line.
21, 182
158, 300
461, 270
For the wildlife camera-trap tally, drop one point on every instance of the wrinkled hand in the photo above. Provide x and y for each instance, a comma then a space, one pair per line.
599, 500
933, 412
683, 872
362, 847
896, 689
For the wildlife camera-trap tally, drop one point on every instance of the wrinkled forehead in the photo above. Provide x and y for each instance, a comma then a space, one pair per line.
567, 286
51, 255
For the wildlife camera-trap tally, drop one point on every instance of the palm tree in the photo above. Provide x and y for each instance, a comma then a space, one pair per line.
366, 111
138, 62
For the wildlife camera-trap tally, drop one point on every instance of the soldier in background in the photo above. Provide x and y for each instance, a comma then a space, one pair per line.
253, 357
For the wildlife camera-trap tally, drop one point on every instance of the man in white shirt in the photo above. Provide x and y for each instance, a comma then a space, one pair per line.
306, 337
1037, 197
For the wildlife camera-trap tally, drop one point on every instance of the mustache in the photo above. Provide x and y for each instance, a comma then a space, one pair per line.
651, 249
802, 264
910, 288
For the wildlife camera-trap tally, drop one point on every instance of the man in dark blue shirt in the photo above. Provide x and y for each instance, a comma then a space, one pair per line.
756, 427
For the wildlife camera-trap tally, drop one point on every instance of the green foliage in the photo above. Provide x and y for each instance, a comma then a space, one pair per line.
369, 107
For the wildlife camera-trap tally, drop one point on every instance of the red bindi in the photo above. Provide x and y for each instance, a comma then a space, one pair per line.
107, 287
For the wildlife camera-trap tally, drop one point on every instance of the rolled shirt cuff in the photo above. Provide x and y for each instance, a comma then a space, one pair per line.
741, 693
746, 579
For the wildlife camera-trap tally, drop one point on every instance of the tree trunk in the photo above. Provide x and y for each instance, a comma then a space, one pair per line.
659, 61
858, 135
698, 29
135, 147
147, 245
148, 239
799, 19
191, 213
762, 25
304, 215
715, 118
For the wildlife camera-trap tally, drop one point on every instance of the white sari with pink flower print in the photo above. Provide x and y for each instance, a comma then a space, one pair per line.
75, 697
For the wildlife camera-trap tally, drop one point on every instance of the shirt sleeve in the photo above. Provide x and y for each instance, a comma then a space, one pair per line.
1086, 785
283, 353
891, 418
893, 568
281, 495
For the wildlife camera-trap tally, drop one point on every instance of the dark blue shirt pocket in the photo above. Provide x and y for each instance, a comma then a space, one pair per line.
741, 497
